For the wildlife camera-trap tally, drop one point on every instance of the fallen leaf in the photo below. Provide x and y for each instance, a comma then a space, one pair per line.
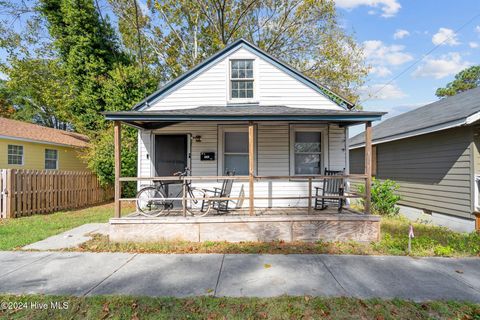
459, 271
266, 265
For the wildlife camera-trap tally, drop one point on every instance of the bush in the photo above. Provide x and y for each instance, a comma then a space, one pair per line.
384, 199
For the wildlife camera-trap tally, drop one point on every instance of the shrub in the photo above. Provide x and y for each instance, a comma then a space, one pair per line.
384, 197
444, 251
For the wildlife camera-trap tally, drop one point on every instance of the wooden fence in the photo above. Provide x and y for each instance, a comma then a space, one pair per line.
29, 192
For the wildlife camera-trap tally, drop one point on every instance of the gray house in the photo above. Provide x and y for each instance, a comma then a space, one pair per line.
433, 153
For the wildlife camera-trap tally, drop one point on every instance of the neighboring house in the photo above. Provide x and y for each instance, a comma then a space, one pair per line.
30, 146
201, 120
433, 153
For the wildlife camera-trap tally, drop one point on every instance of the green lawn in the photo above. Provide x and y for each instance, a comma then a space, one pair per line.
18, 232
109, 307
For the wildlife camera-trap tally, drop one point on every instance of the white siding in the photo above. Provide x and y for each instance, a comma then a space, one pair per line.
337, 147
273, 158
272, 87
145, 152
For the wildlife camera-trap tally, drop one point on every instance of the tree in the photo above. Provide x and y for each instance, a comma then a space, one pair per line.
464, 80
6, 104
304, 33
38, 92
89, 50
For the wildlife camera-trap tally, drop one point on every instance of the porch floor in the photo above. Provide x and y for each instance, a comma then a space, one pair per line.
257, 212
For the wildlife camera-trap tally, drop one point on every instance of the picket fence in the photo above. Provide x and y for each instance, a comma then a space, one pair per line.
29, 192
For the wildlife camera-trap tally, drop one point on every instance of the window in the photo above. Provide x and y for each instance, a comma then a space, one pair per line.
307, 151
15, 154
235, 151
51, 159
241, 79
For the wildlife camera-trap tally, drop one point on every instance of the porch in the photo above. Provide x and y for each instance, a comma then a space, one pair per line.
266, 207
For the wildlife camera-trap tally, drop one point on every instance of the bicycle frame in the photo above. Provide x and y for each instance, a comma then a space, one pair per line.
169, 204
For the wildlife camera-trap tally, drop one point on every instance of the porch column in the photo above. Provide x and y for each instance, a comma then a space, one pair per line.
368, 166
251, 167
117, 128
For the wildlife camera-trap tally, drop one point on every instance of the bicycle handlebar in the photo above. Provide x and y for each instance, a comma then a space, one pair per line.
182, 174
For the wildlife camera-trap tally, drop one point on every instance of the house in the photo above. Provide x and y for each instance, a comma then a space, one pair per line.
30, 146
242, 110
433, 153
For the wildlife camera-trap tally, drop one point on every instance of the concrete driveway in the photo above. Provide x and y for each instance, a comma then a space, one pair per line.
80, 274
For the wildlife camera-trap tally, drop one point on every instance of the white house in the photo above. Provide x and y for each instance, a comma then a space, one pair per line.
200, 120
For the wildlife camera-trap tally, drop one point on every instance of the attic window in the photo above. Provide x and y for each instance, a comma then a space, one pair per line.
241, 79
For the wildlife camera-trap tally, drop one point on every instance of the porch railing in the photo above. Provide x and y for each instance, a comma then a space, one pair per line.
309, 179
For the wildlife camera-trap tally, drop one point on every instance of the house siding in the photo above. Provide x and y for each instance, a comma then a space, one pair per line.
272, 86
34, 156
434, 171
272, 158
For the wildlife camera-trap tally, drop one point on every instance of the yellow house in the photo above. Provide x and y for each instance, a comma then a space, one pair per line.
30, 146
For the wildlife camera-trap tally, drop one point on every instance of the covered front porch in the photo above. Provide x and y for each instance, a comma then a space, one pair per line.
274, 196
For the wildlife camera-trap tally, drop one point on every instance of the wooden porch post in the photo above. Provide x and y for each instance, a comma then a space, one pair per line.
251, 167
117, 129
368, 166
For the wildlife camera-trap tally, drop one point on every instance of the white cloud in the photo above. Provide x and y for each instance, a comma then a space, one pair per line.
381, 91
445, 36
389, 7
400, 34
477, 29
379, 53
473, 45
380, 71
444, 66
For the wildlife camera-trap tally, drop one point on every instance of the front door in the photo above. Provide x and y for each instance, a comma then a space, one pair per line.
171, 154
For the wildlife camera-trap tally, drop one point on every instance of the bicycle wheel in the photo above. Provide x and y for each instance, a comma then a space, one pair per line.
197, 203
150, 202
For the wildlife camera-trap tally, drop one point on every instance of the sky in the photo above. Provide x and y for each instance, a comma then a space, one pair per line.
397, 33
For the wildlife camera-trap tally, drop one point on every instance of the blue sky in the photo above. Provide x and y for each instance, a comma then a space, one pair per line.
396, 33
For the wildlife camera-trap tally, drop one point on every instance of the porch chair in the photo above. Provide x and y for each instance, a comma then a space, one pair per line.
331, 187
224, 192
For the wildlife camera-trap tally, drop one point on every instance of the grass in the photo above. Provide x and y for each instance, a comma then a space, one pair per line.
103, 307
429, 241
15, 233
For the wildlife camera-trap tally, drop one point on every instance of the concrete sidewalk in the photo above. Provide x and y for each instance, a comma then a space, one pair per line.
75, 273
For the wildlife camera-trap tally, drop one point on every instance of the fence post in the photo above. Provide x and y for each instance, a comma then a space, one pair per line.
9, 194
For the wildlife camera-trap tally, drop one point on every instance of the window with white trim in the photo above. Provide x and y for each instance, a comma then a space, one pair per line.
241, 79
15, 154
235, 151
51, 159
307, 152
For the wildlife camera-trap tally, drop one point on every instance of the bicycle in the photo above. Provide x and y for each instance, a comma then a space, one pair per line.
151, 200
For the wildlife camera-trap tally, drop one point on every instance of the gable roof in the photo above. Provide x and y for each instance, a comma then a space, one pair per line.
242, 43
459, 110
19, 130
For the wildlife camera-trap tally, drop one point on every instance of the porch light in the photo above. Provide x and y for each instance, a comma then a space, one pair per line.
197, 138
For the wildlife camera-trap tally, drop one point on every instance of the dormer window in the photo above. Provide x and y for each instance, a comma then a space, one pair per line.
241, 79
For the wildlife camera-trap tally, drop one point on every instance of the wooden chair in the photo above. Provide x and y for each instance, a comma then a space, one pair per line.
224, 192
331, 187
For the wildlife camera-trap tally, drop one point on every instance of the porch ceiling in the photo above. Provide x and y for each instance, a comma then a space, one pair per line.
156, 119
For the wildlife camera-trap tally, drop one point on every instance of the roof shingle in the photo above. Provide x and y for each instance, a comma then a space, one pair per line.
24, 130
439, 115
